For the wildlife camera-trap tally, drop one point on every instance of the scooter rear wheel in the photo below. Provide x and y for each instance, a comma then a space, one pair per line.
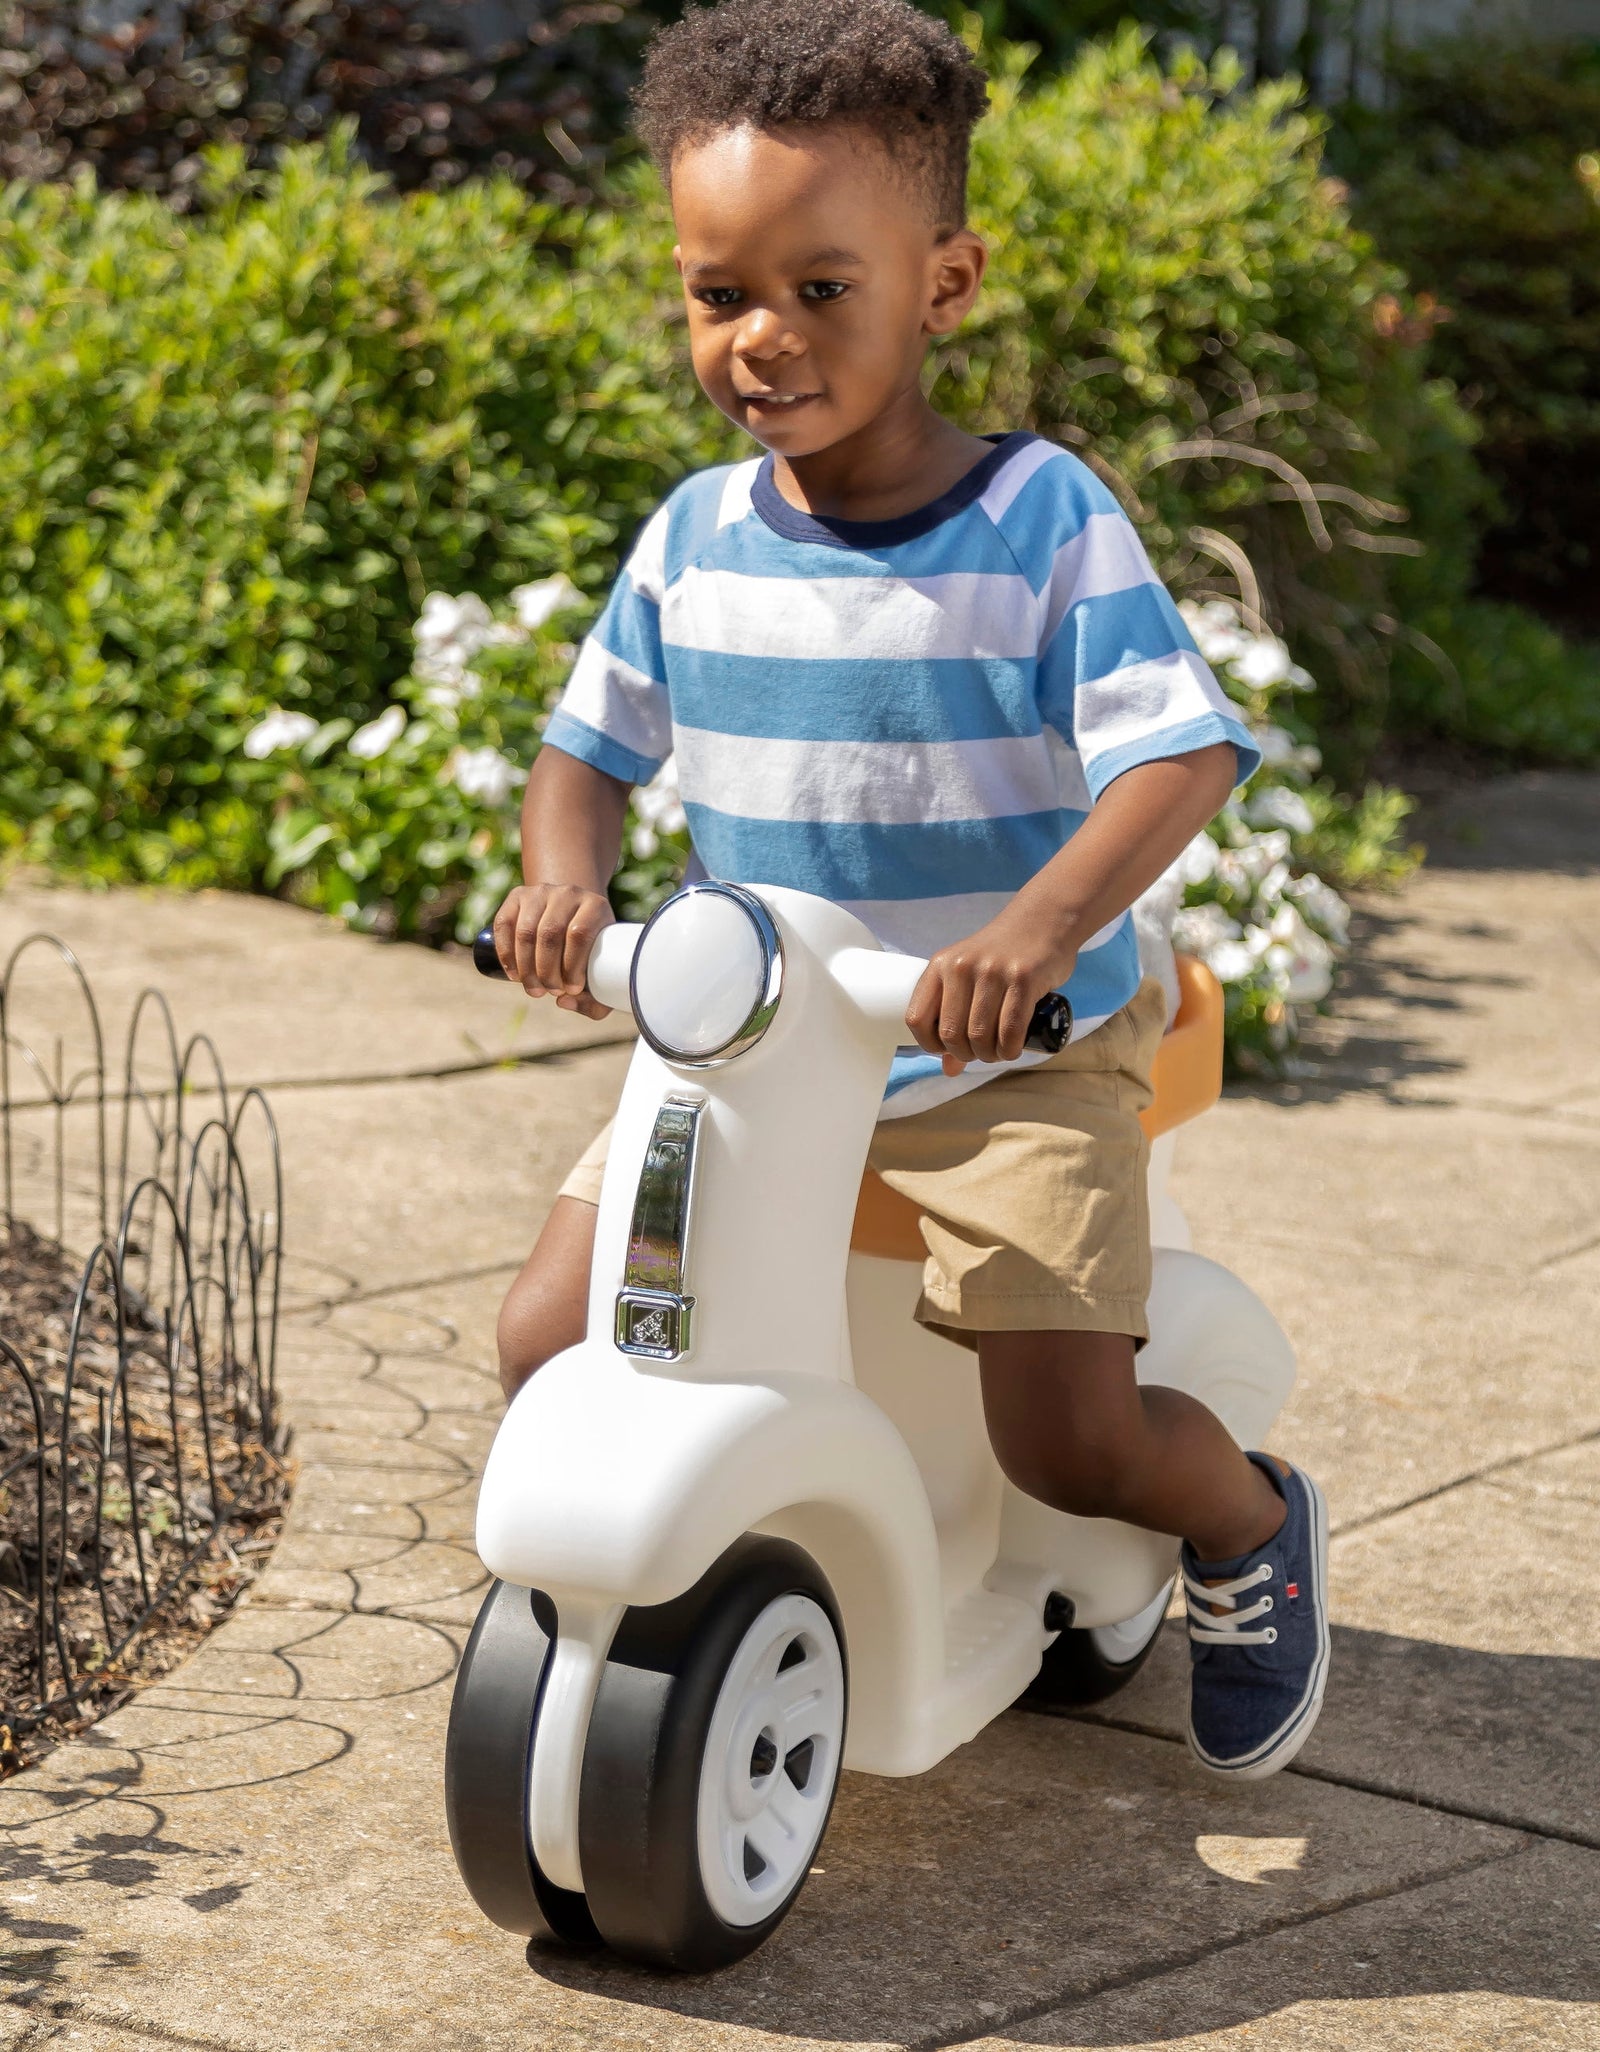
712, 1760
494, 1714
1086, 1665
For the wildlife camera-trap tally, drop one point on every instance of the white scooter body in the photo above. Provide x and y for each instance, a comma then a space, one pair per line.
811, 1407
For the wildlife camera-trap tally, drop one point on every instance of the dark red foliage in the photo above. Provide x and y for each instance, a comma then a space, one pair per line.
136, 89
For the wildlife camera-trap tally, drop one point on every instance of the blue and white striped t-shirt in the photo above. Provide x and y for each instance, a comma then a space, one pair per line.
911, 716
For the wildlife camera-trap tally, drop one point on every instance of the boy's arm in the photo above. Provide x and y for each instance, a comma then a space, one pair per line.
976, 998
572, 818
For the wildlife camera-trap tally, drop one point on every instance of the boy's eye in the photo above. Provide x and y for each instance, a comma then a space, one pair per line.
718, 295
823, 289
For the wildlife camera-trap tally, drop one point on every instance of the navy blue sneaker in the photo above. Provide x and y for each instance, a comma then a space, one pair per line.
1258, 1670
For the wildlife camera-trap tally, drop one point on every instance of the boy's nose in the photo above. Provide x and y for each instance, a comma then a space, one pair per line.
764, 334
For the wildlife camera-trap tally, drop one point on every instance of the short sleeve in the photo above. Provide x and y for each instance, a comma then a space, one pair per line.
1120, 678
614, 713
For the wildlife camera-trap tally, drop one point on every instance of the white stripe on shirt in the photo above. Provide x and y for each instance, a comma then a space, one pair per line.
998, 500
922, 926
735, 501
875, 783
646, 568
965, 615
619, 701
1141, 699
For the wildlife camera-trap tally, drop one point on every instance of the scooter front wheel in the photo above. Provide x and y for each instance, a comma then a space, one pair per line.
494, 1716
1086, 1665
712, 1761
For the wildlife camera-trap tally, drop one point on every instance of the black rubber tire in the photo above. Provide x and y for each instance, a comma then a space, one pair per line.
494, 1713
1074, 1673
638, 1810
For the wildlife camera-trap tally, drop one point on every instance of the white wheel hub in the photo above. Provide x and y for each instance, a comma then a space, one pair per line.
771, 1760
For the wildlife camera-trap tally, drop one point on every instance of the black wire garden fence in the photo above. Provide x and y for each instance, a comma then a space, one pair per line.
142, 1459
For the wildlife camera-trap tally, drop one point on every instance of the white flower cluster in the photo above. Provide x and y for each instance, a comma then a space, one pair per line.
1260, 662
657, 810
484, 774
1275, 943
279, 729
1255, 917
452, 631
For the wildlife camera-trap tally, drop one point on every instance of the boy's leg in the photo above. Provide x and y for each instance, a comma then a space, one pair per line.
1071, 1426
547, 1308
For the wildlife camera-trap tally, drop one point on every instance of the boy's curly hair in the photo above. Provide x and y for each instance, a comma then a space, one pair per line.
879, 65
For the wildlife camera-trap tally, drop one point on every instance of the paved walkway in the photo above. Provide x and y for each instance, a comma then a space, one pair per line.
253, 1855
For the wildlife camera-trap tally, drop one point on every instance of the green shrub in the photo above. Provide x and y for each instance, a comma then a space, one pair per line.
238, 452
1473, 180
1499, 681
242, 446
1176, 290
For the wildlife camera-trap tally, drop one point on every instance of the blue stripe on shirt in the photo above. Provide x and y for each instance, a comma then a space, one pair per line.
630, 629
833, 860
1107, 633
978, 698
600, 751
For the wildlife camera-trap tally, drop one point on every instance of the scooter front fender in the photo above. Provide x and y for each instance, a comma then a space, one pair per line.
613, 1485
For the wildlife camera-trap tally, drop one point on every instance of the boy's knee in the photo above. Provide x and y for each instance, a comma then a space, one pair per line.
1061, 1431
518, 1346
535, 1325
1086, 1472
546, 1309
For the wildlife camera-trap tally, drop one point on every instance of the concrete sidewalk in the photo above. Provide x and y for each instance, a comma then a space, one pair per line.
253, 1854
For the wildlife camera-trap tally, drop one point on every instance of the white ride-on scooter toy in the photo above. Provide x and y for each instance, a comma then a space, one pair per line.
751, 1531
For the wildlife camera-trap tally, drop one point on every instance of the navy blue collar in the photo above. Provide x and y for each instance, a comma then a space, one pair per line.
772, 507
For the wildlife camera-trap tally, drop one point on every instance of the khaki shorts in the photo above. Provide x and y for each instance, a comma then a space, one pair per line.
1032, 1188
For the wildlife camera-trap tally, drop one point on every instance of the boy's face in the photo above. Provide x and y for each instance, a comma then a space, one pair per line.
814, 276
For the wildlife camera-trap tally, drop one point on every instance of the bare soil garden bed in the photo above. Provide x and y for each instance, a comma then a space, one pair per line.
161, 1497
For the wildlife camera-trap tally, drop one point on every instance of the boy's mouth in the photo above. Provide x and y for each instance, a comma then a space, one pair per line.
777, 402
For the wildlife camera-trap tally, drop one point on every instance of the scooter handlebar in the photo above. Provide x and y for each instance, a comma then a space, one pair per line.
881, 984
609, 962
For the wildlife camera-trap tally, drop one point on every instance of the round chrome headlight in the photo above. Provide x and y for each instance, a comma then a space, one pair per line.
706, 975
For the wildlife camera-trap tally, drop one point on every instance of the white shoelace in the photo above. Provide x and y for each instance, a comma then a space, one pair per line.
1207, 1629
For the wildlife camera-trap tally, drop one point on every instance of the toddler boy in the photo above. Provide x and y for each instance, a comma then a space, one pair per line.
933, 678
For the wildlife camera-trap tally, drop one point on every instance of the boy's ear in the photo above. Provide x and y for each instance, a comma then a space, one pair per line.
956, 268
677, 257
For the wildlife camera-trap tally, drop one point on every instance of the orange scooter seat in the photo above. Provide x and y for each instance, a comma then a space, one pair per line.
1186, 1077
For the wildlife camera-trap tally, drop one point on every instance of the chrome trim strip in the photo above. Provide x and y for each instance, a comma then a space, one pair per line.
761, 1016
653, 1312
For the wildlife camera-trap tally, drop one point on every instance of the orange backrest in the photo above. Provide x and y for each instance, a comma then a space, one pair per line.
1186, 1074
1186, 1077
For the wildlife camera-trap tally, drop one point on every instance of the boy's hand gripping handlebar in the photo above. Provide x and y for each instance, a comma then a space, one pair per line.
1048, 1031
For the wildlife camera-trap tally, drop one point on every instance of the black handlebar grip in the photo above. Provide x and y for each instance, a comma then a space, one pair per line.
1050, 1028
485, 958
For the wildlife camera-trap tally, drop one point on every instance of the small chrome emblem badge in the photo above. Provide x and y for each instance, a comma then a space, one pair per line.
653, 1323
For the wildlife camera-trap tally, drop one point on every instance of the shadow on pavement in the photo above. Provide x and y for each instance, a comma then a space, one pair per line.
1387, 1031
1058, 1862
